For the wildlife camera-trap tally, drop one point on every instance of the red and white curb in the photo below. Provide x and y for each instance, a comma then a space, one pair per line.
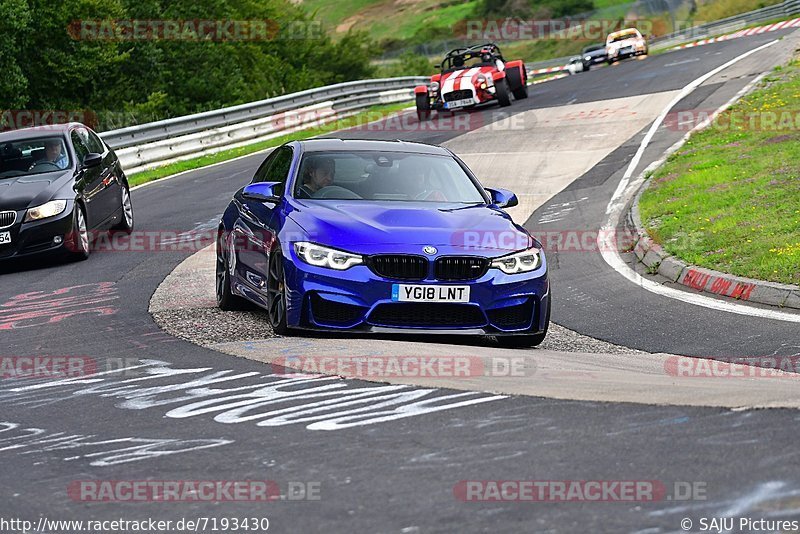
548, 70
793, 23
549, 79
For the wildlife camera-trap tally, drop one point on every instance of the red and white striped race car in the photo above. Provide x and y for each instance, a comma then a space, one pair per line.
472, 76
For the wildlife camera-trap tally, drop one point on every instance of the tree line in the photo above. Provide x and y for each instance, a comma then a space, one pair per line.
75, 55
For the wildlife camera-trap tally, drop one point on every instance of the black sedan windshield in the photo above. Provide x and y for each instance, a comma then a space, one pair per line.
385, 176
33, 156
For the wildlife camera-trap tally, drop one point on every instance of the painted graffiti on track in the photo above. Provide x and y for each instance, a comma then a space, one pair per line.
267, 400
37, 308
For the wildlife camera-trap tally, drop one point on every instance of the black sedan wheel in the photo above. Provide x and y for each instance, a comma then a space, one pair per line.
126, 224
78, 242
276, 294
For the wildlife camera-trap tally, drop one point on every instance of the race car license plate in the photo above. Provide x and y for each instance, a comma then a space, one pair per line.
459, 103
419, 293
5, 238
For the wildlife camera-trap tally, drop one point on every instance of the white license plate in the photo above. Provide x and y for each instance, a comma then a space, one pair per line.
420, 293
459, 103
5, 238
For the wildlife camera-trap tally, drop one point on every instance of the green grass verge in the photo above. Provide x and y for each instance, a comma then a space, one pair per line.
730, 198
225, 155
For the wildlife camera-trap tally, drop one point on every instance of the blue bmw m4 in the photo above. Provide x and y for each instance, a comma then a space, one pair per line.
383, 237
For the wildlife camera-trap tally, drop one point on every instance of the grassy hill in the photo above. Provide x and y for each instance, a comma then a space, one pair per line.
389, 19
418, 25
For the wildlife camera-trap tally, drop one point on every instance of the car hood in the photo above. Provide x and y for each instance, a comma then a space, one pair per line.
21, 192
631, 41
448, 80
369, 227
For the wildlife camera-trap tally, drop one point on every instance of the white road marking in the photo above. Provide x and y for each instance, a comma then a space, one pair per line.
319, 402
627, 189
682, 62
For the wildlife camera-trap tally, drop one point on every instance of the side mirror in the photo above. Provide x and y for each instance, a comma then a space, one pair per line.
264, 191
503, 198
91, 160
437, 67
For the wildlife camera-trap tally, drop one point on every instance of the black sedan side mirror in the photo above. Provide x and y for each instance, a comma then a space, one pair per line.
92, 160
264, 191
503, 198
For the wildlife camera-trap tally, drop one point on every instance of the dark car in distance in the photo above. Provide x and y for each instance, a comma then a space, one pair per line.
594, 54
590, 55
58, 184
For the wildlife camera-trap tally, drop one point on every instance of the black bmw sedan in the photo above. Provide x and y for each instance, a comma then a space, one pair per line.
58, 184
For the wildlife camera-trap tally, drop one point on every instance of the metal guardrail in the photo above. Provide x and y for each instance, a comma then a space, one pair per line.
147, 145
784, 9
158, 143
168, 128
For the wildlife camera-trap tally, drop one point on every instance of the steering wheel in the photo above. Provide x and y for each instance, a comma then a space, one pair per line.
44, 166
336, 192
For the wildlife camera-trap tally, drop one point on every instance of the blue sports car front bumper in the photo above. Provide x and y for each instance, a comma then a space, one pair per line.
360, 299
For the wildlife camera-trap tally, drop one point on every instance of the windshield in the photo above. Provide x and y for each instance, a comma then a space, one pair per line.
622, 37
396, 176
468, 61
33, 156
593, 48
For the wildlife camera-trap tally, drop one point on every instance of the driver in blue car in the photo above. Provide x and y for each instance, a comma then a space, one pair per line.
54, 153
318, 173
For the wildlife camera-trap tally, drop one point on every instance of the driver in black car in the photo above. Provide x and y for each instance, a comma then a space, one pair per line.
53, 154
318, 174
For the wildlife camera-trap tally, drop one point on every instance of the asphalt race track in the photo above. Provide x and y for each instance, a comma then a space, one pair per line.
397, 472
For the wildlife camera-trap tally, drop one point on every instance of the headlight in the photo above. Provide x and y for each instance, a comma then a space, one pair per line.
518, 262
50, 209
588, 58
320, 256
481, 79
434, 87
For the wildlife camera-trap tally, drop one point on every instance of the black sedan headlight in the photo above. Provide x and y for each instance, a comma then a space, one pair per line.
46, 210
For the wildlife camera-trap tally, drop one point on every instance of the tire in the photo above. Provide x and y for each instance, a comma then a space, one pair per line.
527, 340
276, 294
423, 108
503, 98
226, 300
610, 61
126, 224
78, 242
588, 67
517, 82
